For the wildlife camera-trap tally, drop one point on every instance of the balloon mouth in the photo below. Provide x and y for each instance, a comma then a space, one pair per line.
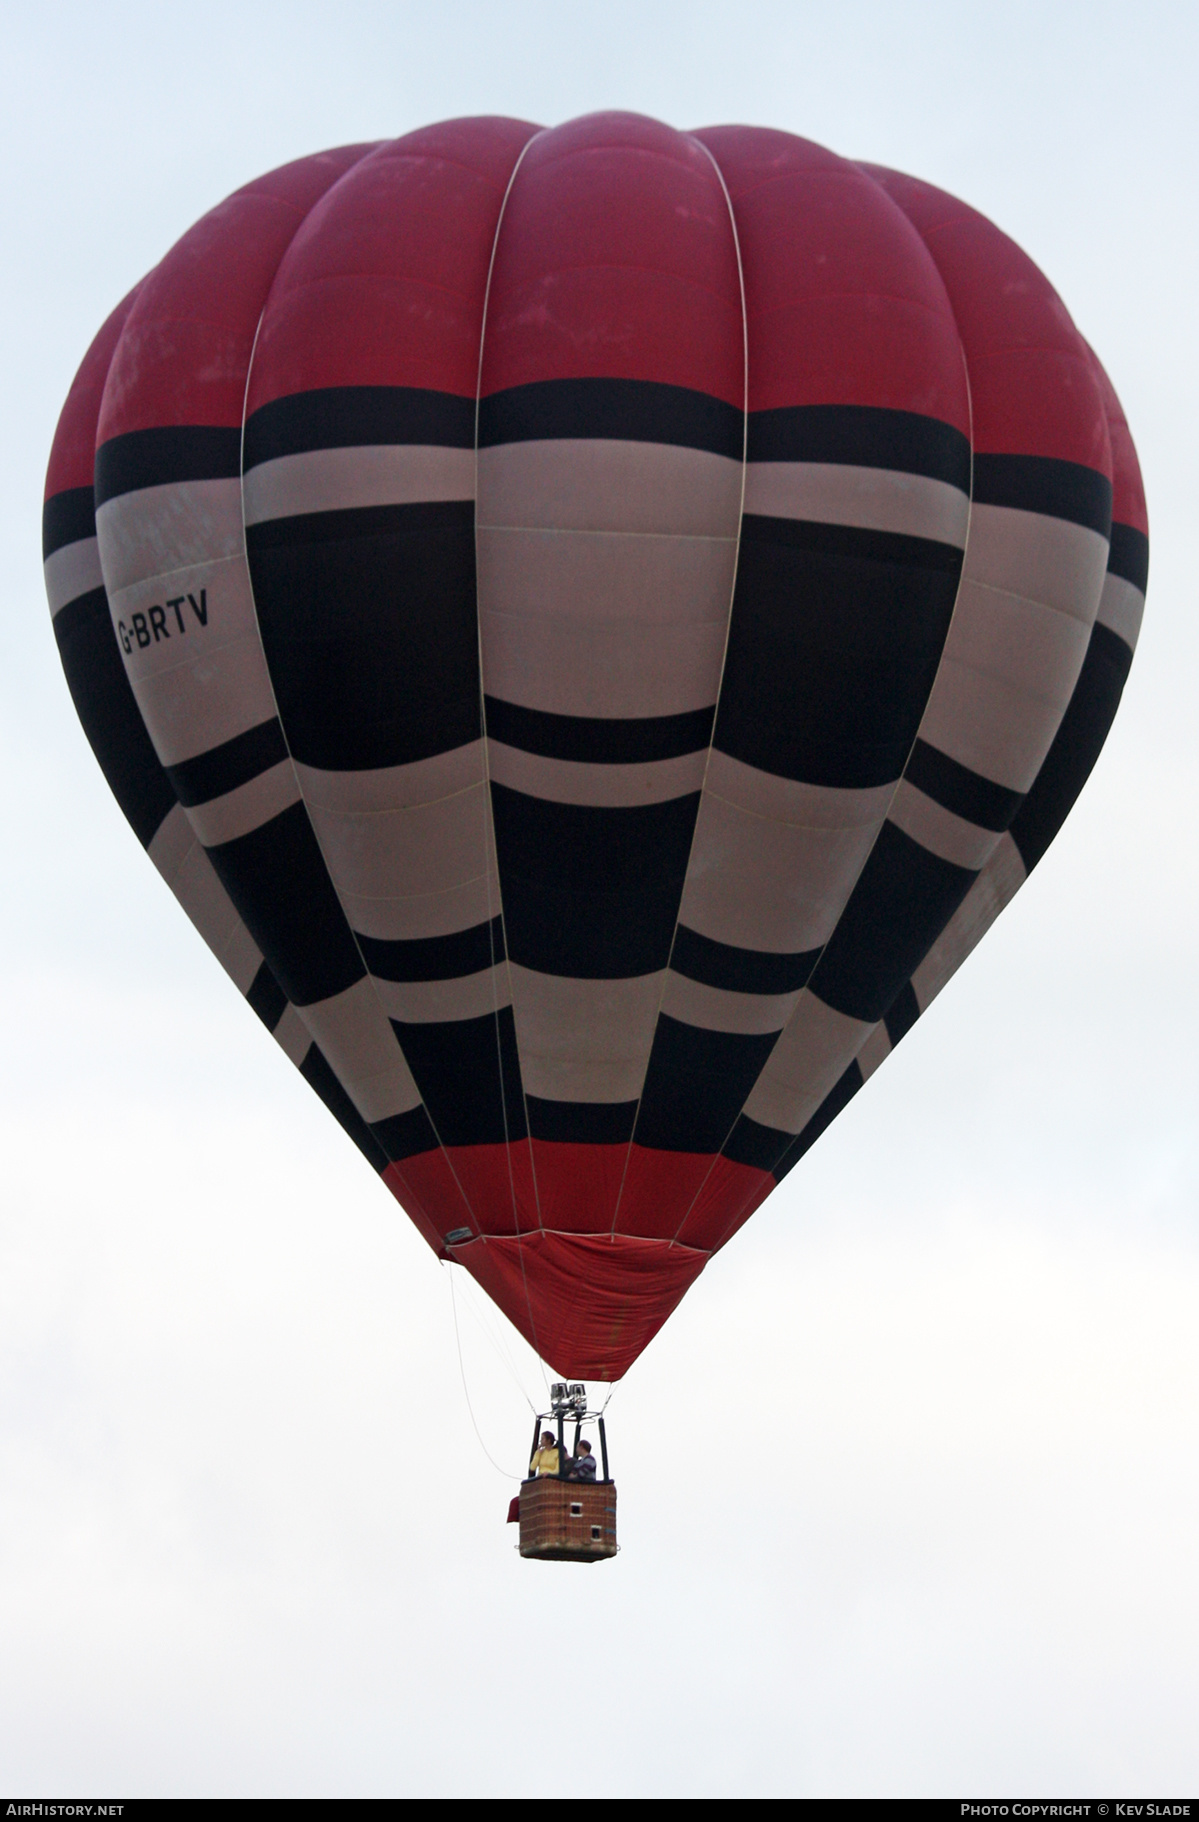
589, 1304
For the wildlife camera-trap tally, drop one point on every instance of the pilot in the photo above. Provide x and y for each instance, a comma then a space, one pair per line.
583, 1465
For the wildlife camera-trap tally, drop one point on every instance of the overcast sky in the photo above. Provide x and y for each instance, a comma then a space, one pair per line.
909, 1486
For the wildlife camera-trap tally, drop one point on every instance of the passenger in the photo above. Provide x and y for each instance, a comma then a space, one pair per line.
545, 1459
583, 1465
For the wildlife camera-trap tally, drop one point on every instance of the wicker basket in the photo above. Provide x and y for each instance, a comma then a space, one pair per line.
568, 1521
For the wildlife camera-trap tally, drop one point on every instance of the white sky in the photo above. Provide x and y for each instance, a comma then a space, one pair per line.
909, 1485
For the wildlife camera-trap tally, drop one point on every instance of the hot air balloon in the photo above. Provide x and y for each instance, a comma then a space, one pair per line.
592, 625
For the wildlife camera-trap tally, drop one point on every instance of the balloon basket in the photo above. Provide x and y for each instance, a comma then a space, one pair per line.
568, 1521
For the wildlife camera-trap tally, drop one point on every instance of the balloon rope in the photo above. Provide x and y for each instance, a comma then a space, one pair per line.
812, 975
495, 1341
353, 934
466, 1391
488, 832
724, 658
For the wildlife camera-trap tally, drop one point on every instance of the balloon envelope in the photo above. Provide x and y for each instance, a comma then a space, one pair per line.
592, 625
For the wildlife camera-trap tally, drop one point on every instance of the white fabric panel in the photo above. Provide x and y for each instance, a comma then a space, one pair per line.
605, 484
773, 861
584, 1040
197, 685
398, 787
994, 888
874, 499
387, 864
1121, 608
71, 571
605, 575
172, 842
1028, 597
248, 807
1006, 677
159, 530
361, 1048
605, 786
241, 958
947, 836
292, 1036
1051, 561
335, 480
816, 1048
198, 681
468, 996
874, 1051
572, 668
407, 846
720, 1009
423, 914
597, 578
189, 873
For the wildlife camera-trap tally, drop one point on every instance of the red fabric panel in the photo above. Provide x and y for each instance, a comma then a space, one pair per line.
844, 304
616, 260
497, 1181
659, 1188
694, 1197
1033, 390
1128, 489
73, 453
588, 1305
186, 346
578, 1185
384, 283
727, 1198
425, 1189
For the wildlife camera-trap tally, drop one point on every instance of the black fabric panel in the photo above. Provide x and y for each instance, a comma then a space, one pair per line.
696, 1084
955, 787
348, 417
835, 1101
405, 1135
1129, 555
317, 1073
591, 893
105, 704
864, 436
903, 900
457, 1067
435, 958
276, 878
702, 958
832, 655
1060, 490
759, 1146
1076, 746
176, 452
582, 1122
232, 763
902, 1013
67, 518
266, 997
635, 411
608, 741
369, 624
857, 543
